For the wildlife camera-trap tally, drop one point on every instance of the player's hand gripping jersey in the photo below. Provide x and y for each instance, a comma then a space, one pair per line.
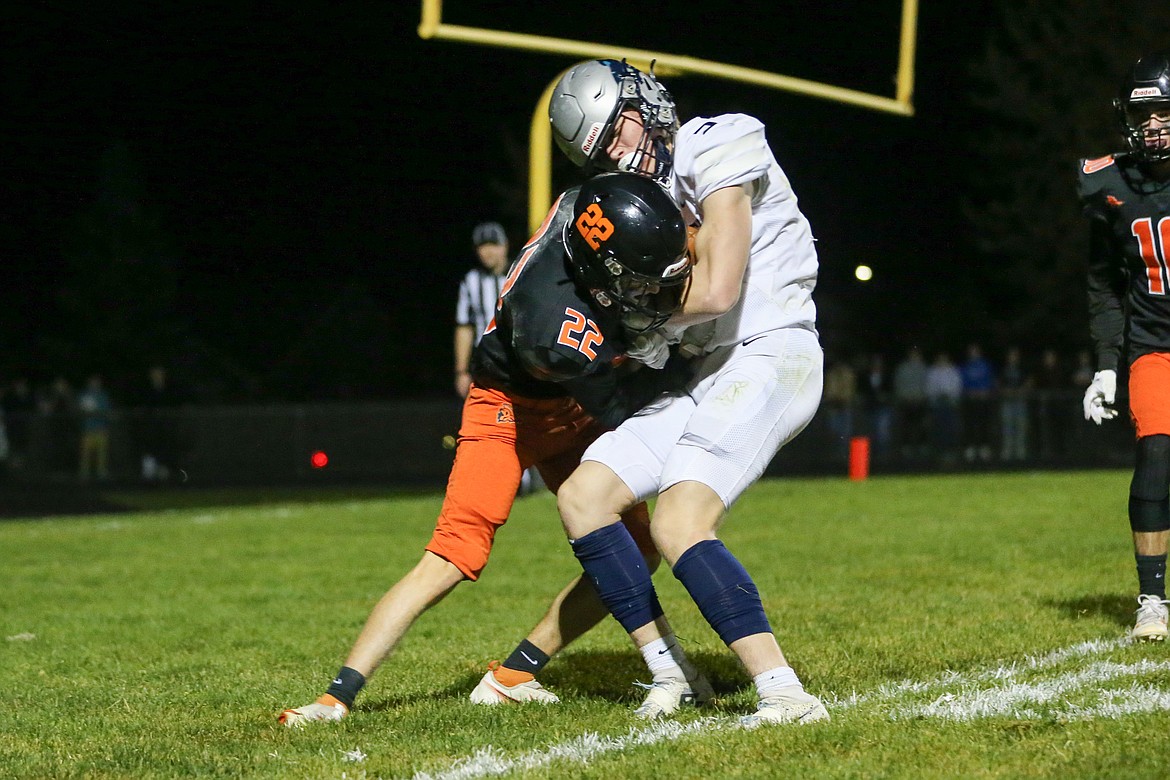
548, 341
728, 150
1129, 215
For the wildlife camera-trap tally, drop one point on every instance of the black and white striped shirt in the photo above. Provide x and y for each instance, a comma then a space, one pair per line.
478, 293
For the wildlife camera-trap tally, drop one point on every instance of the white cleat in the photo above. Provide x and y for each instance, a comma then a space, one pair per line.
793, 705
666, 696
1151, 619
326, 708
492, 691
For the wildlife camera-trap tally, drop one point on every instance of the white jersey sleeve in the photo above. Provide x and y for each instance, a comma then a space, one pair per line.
729, 150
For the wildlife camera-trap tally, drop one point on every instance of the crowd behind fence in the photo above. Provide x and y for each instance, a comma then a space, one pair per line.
410, 442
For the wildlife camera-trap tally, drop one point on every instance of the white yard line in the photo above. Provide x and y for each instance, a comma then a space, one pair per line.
488, 761
959, 698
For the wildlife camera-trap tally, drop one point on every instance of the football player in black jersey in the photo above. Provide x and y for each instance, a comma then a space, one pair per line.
550, 375
1127, 199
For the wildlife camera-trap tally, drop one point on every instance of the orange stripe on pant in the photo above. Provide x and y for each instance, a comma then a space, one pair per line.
1149, 394
500, 436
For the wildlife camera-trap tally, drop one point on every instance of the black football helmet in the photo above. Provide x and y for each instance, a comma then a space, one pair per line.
627, 248
1145, 86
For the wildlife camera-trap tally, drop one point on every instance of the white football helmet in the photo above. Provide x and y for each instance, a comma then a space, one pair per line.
585, 106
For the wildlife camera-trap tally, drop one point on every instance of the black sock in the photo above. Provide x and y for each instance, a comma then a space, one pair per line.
527, 657
346, 686
1151, 571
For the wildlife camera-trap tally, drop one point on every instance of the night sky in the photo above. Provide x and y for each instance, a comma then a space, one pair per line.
305, 157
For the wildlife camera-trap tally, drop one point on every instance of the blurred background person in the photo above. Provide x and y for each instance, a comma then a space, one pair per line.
155, 424
1051, 407
1014, 385
838, 397
910, 407
94, 408
944, 393
978, 405
19, 409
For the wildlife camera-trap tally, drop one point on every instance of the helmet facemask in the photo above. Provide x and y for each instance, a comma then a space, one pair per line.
1143, 109
1148, 138
647, 302
655, 106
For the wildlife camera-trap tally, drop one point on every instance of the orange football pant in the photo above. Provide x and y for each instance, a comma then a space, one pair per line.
1149, 394
500, 436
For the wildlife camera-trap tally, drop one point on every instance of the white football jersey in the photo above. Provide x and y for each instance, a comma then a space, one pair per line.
724, 151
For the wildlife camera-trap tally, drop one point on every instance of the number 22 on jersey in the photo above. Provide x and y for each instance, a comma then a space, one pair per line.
580, 333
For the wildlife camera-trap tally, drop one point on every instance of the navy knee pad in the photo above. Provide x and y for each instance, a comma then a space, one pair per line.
615, 566
723, 590
1149, 506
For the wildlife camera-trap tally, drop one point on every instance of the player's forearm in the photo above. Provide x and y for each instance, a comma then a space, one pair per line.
722, 248
464, 339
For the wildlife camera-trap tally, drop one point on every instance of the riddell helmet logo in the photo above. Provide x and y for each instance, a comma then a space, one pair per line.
1142, 92
593, 226
591, 138
675, 269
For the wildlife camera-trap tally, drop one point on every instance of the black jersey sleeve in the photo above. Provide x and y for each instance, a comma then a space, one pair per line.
1107, 287
1106, 267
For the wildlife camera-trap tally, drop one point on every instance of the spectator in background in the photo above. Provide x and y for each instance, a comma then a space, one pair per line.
1052, 406
911, 406
1014, 385
476, 306
1078, 440
875, 386
1082, 375
55, 403
978, 404
19, 407
157, 441
944, 392
94, 407
839, 394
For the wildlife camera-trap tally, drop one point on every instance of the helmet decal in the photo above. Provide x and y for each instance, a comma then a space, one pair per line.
595, 132
593, 226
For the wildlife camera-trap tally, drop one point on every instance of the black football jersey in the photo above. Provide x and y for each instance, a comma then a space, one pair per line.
547, 340
1129, 281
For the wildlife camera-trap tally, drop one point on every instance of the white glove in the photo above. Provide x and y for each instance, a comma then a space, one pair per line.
1100, 393
650, 348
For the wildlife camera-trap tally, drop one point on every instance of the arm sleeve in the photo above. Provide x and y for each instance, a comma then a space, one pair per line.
1106, 296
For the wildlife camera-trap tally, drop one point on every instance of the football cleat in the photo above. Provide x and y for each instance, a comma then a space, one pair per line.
325, 708
1151, 619
492, 691
793, 705
665, 696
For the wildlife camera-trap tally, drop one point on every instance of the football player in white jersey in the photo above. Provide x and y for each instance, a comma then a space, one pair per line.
750, 319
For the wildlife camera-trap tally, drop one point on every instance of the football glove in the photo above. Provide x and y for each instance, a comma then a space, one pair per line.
649, 348
1100, 395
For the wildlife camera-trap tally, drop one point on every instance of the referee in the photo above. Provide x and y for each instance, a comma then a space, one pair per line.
477, 296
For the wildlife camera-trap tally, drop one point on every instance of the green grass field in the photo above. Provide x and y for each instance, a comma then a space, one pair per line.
958, 626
